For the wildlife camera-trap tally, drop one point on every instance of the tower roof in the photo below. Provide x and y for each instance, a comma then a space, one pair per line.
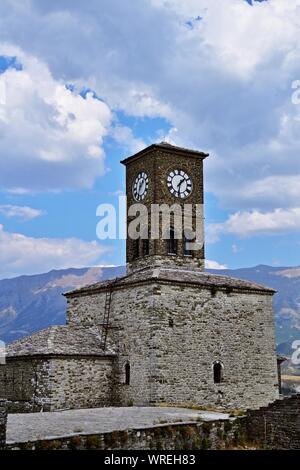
166, 147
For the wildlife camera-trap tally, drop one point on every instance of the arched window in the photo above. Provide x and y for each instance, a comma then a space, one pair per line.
136, 248
127, 373
172, 243
145, 241
218, 372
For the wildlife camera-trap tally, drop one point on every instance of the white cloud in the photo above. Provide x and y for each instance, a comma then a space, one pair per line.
20, 212
51, 138
227, 29
282, 190
209, 264
224, 83
250, 223
20, 254
124, 136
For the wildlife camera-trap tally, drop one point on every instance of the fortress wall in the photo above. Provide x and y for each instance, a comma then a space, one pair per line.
276, 426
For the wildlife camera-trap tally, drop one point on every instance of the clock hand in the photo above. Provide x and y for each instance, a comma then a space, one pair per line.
141, 183
179, 184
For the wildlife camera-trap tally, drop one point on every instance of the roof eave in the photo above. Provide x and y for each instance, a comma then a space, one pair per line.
171, 149
102, 288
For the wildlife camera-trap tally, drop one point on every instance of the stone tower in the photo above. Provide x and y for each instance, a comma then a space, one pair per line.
160, 175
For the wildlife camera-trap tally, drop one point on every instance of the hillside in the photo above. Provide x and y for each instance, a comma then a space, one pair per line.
31, 303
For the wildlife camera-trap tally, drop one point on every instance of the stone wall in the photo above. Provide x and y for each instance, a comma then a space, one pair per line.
81, 382
25, 383
130, 335
3, 420
172, 334
235, 328
213, 435
276, 426
49, 384
186, 262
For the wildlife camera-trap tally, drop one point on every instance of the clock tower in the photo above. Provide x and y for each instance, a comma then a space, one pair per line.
164, 187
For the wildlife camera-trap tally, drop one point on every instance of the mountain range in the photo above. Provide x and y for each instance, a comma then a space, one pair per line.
31, 303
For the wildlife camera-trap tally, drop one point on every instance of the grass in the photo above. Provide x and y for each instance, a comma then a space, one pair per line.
290, 378
231, 412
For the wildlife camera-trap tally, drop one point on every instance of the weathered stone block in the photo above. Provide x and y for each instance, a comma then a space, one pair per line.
3, 422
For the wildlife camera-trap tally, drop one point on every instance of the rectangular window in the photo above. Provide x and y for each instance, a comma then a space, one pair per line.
136, 248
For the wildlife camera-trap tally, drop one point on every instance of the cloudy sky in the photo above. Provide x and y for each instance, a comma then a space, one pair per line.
84, 84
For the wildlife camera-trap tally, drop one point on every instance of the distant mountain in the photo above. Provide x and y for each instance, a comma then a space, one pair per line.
31, 303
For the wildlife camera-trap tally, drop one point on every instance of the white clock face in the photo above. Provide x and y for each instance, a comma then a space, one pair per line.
140, 186
179, 183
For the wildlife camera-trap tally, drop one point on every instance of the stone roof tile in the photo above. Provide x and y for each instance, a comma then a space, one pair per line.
175, 276
59, 340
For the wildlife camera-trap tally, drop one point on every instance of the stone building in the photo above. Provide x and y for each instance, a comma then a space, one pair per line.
57, 368
167, 332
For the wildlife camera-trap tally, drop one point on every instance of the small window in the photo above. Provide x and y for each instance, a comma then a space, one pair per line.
146, 247
218, 372
171, 323
127, 373
172, 243
186, 249
187, 240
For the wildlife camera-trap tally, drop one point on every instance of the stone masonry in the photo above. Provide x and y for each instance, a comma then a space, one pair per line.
276, 426
3, 420
58, 368
172, 326
130, 429
157, 160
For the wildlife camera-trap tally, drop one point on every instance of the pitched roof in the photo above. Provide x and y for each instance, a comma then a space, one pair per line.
174, 276
59, 340
168, 148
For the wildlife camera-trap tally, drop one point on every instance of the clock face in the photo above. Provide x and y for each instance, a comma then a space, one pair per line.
140, 186
179, 183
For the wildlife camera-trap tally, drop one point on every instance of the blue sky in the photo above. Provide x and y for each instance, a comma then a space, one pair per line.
88, 84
